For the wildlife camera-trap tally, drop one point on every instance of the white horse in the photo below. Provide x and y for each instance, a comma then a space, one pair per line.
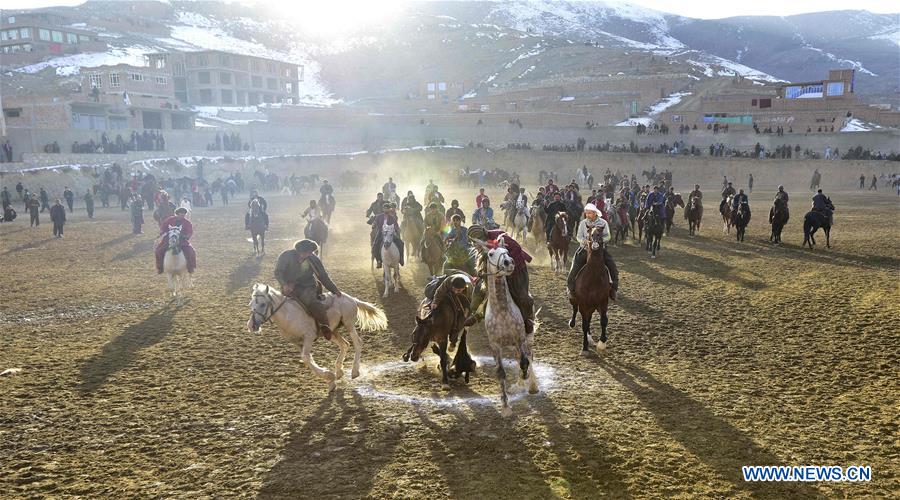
175, 265
520, 223
390, 259
504, 323
299, 328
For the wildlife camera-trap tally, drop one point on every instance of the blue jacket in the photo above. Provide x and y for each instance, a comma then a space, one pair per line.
820, 202
654, 198
476, 216
738, 199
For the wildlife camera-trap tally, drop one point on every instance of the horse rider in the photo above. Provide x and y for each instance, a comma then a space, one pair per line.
454, 210
457, 254
263, 204
822, 204
389, 186
592, 219
312, 213
434, 217
782, 197
728, 191
522, 202
485, 214
376, 208
436, 196
481, 197
458, 287
249, 214
517, 281
555, 207
696, 193
551, 187
655, 202
187, 231
326, 191
389, 217
300, 271
736, 202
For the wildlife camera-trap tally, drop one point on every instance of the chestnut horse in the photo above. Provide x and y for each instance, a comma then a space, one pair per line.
694, 214
725, 210
671, 203
592, 286
778, 218
559, 243
439, 327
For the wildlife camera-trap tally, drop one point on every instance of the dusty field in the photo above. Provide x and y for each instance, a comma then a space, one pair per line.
721, 355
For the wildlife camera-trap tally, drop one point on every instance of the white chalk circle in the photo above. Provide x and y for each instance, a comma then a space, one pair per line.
416, 384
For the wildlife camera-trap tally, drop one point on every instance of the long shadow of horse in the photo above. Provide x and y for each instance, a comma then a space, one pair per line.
714, 441
115, 241
401, 309
28, 246
118, 353
335, 453
242, 275
143, 247
712, 268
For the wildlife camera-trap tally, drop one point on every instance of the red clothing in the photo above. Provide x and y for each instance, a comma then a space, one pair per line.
187, 229
519, 255
479, 199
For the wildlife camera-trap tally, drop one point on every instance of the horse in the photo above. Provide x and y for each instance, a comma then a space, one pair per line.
432, 250
317, 230
390, 259
520, 222
299, 328
811, 223
257, 224
536, 223
778, 218
412, 227
671, 203
634, 215
327, 204
504, 323
619, 224
694, 214
725, 210
440, 327
654, 227
741, 220
592, 286
175, 264
574, 209
559, 243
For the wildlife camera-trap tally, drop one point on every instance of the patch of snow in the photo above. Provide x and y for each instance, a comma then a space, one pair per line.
891, 36
667, 103
853, 64
810, 95
567, 98
634, 122
857, 125
72, 64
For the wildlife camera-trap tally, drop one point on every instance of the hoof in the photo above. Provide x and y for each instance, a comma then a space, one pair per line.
533, 389
445, 387
354, 374
601, 346
585, 353
331, 387
506, 412
652, 256
338, 375
572, 323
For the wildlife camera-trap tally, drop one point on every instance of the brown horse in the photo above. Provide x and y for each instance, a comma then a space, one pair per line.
778, 218
694, 214
559, 243
671, 203
536, 221
591, 293
725, 210
317, 230
433, 250
440, 326
257, 224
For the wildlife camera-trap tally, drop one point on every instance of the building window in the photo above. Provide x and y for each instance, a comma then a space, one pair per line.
430, 87
225, 78
765, 103
202, 61
162, 80
257, 81
57, 36
159, 63
84, 38
835, 88
287, 72
113, 80
26, 32
205, 96
289, 87
11, 20
227, 96
178, 69
240, 80
442, 86
13, 34
71, 38
12, 112
252, 99
44, 35
203, 77
270, 67
753, 102
271, 83
254, 65
224, 60
96, 81
136, 77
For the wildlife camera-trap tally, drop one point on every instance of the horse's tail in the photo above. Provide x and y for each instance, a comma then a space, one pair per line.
369, 317
808, 224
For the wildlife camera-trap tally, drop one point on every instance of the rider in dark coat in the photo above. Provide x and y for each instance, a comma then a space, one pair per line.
821, 203
300, 271
557, 206
389, 217
263, 204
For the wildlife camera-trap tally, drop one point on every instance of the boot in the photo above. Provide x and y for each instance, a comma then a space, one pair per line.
471, 320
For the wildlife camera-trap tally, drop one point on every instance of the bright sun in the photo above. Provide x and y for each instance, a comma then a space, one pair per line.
325, 18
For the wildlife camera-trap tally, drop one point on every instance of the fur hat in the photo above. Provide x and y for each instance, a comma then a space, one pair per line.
306, 246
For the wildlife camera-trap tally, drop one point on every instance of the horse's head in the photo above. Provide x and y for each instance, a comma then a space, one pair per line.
421, 338
174, 234
562, 222
499, 261
387, 232
261, 307
678, 200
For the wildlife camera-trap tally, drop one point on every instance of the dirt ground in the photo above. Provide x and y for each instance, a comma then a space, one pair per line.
721, 355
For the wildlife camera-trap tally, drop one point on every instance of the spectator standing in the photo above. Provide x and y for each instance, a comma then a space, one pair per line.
750, 183
58, 216
45, 200
137, 214
33, 206
70, 198
89, 203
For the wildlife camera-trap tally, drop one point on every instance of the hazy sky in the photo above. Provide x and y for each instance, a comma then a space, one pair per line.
706, 9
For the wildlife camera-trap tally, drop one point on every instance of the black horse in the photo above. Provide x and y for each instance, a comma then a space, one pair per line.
741, 220
778, 218
654, 227
811, 223
440, 327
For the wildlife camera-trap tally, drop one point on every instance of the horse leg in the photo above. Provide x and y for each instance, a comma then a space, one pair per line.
827, 236
445, 364
317, 370
586, 340
396, 278
387, 278
574, 314
344, 346
262, 243
505, 410
604, 321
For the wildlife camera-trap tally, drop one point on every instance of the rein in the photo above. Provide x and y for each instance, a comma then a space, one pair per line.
270, 305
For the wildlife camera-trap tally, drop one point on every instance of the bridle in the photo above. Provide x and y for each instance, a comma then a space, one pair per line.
270, 306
